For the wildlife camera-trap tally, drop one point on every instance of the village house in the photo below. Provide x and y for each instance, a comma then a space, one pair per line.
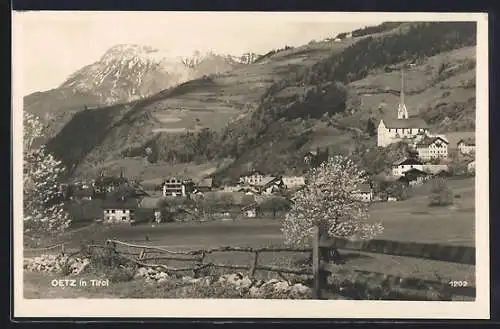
364, 192
117, 211
83, 193
401, 166
291, 182
414, 177
254, 178
106, 184
467, 146
177, 186
270, 185
250, 210
432, 148
402, 128
204, 185
471, 167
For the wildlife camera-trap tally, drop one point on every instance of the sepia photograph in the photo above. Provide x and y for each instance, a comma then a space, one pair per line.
219, 164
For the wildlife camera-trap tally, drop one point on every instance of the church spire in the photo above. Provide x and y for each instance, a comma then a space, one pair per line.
402, 111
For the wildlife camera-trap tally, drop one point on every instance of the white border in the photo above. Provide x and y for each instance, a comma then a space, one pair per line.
272, 308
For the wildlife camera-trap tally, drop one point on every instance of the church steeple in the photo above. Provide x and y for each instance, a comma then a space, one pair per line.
402, 111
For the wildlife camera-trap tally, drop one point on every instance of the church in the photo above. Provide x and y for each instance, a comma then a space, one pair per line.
402, 127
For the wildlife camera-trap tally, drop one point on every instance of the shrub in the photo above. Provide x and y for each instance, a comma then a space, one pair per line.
120, 274
441, 194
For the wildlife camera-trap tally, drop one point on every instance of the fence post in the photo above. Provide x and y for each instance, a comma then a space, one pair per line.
254, 264
316, 292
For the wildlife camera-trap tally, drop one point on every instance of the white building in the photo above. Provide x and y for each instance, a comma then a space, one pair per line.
293, 181
402, 128
432, 148
254, 178
119, 212
402, 166
467, 146
364, 193
174, 187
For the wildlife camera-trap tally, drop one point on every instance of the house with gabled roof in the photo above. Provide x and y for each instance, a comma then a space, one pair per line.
119, 211
471, 167
253, 178
414, 176
204, 185
467, 145
401, 166
432, 148
363, 192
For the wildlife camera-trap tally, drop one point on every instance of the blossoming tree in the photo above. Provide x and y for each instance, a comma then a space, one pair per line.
328, 202
42, 205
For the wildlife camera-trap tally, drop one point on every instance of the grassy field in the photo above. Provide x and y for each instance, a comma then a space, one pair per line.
410, 220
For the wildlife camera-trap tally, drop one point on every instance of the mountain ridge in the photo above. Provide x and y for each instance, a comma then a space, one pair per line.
265, 114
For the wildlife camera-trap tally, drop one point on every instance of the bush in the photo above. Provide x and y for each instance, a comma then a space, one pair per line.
104, 259
441, 194
120, 274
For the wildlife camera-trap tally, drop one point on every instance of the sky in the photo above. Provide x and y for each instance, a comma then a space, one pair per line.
52, 45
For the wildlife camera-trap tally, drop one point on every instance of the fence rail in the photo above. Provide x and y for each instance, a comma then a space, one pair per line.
453, 254
198, 257
322, 245
145, 255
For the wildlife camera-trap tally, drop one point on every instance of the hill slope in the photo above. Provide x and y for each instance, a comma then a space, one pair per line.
265, 114
125, 73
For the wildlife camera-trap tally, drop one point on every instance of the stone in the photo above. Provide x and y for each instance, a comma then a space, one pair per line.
281, 287
244, 283
300, 289
269, 283
162, 275
255, 292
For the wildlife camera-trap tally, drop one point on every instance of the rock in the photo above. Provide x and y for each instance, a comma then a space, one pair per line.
281, 287
233, 278
162, 275
162, 280
244, 283
269, 283
255, 292
258, 283
300, 290
141, 273
207, 280
186, 279
194, 281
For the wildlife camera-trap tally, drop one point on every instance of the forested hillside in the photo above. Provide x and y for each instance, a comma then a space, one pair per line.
326, 104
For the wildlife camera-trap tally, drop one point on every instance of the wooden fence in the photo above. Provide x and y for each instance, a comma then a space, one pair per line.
198, 257
322, 246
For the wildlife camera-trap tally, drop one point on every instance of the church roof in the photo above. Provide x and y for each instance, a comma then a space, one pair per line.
411, 122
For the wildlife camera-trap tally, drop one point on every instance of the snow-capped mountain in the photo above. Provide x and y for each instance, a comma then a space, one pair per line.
127, 72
